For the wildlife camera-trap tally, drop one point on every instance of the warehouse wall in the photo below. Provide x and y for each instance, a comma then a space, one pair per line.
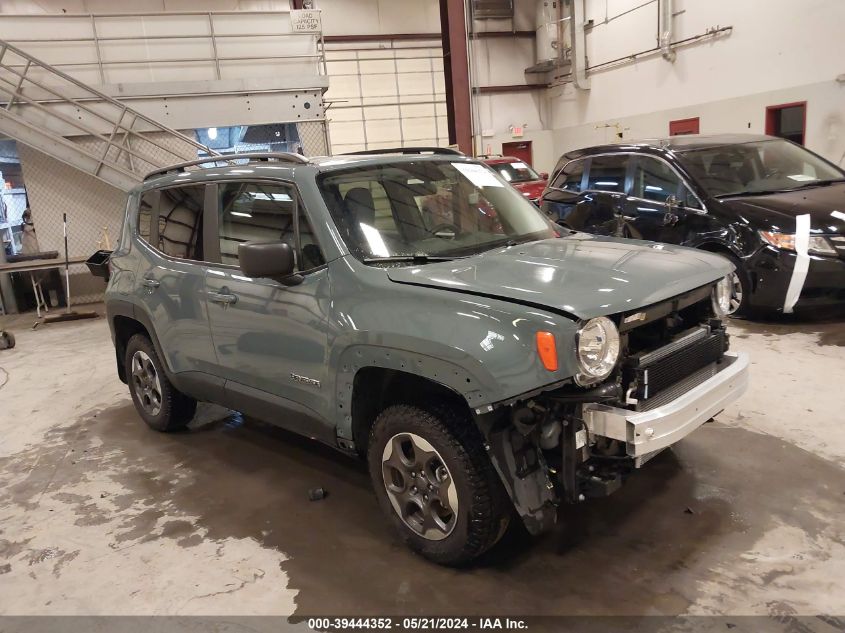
502, 62
378, 17
780, 51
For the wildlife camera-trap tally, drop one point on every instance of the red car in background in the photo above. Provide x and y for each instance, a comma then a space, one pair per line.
519, 174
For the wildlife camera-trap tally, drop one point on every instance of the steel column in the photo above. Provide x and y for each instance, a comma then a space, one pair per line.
456, 71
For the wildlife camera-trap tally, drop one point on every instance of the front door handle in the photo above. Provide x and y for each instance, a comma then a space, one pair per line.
223, 298
150, 283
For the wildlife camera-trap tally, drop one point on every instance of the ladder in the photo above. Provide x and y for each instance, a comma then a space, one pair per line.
50, 111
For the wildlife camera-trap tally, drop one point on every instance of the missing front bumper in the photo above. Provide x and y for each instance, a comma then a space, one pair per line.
645, 432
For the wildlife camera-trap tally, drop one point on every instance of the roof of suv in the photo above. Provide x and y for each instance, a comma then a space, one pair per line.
673, 143
285, 161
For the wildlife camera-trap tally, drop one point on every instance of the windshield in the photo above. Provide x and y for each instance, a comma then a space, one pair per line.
760, 167
517, 171
428, 209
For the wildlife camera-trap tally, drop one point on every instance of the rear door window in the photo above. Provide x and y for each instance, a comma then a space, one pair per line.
607, 173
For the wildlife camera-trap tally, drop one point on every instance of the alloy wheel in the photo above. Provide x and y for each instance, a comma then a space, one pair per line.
420, 486
736, 293
146, 383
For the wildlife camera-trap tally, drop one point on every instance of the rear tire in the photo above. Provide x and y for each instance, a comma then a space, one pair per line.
435, 482
157, 401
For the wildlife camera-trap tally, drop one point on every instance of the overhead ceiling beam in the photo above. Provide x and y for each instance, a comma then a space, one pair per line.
484, 90
381, 37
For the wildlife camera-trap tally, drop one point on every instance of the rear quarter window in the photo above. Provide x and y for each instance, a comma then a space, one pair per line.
146, 210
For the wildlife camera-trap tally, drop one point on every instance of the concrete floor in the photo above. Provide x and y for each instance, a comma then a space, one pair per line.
99, 515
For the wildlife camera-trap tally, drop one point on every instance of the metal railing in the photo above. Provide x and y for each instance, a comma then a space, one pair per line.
213, 38
110, 128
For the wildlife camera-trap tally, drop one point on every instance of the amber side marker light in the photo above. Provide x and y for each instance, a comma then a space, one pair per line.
547, 350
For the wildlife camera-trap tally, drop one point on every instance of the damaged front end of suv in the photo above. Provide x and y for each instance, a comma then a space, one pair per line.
647, 378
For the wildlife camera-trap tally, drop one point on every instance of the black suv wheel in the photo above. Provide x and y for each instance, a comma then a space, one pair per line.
435, 482
158, 402
740, 288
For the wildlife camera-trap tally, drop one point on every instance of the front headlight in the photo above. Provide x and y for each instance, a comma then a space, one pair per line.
818, 245
721, 296
598, 350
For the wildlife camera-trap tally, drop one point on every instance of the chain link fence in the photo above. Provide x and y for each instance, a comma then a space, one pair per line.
95, 209
314, 138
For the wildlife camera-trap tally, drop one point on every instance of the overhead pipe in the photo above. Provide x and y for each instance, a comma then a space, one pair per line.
577, 22
665, 39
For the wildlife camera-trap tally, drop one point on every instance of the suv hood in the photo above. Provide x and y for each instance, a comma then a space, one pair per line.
825, 205
582, 275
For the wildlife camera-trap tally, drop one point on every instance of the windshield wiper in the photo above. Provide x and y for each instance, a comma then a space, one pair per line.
419, 258
816, 183
766, 192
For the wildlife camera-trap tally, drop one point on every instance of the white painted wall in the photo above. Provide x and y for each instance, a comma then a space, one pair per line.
779, 51
378, 17
502, 62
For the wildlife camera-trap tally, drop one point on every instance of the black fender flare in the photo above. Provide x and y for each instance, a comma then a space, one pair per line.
129, 310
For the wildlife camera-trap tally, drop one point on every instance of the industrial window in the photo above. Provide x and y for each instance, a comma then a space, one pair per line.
180, 212
570, 177
684, 126
263, 212
787, 121
607, 173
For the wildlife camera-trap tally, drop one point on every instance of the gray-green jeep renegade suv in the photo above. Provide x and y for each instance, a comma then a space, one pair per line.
412, 308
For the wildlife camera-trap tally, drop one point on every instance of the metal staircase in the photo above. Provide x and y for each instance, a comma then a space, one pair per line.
50, 111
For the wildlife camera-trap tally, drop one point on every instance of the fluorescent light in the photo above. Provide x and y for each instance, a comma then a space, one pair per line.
241, 214
212, 133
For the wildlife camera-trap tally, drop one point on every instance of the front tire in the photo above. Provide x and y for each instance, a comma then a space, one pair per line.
433, 479
740, 288
158, 402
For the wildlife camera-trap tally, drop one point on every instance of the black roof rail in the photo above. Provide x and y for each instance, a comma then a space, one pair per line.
408, 150
284, 157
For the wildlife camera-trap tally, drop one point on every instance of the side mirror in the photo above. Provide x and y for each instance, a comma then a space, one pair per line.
673, 207
673, 203
275, 260
544, 175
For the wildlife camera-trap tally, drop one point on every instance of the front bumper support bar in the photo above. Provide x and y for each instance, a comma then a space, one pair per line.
646, 432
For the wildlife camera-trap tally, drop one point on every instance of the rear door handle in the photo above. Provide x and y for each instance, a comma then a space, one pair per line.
150, 283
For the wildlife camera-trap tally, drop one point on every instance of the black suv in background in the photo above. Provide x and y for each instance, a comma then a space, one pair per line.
775, 209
